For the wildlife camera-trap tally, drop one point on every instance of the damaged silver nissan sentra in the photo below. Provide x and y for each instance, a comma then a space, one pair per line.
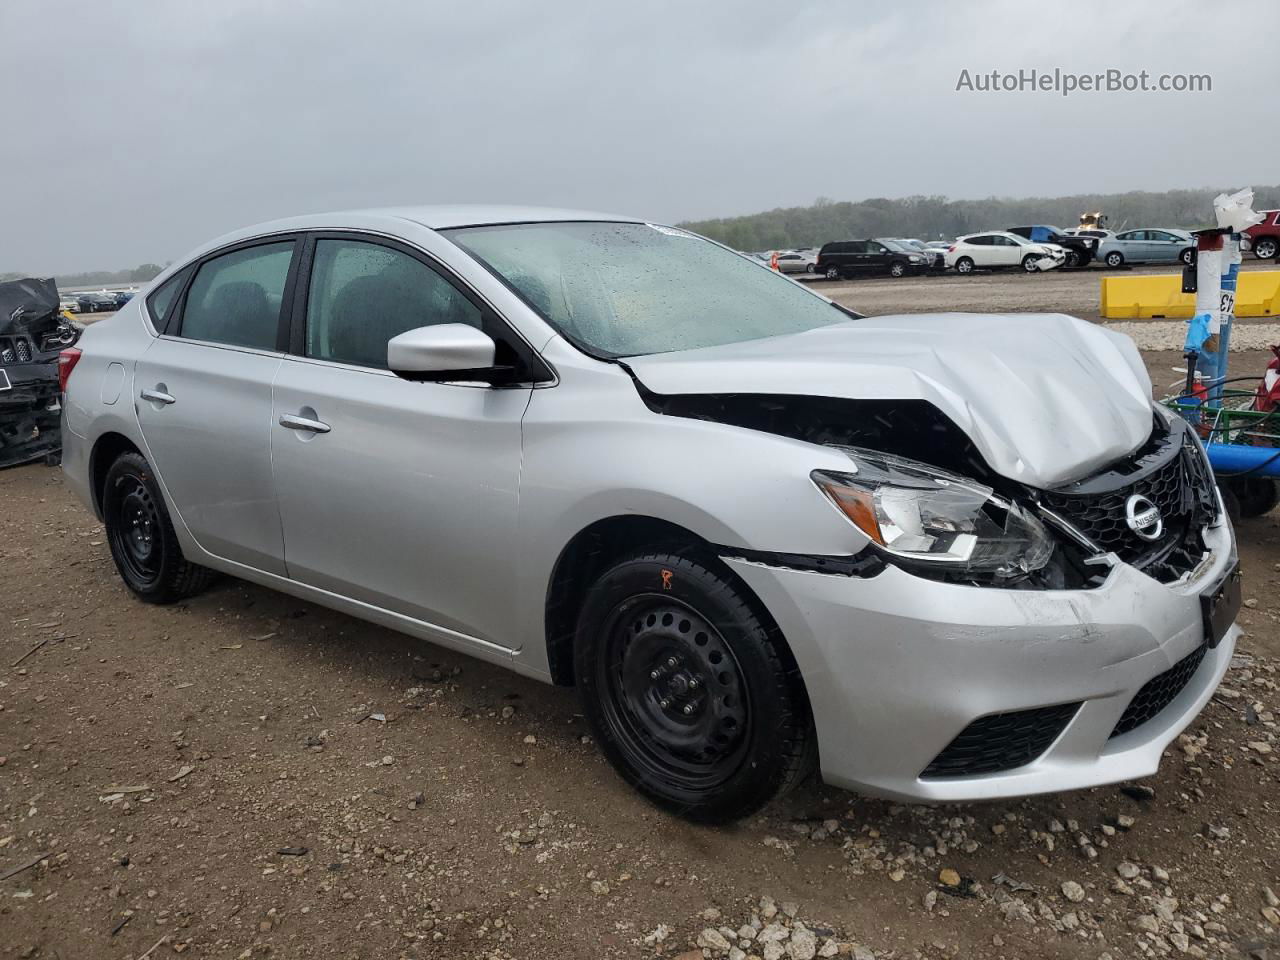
943, 557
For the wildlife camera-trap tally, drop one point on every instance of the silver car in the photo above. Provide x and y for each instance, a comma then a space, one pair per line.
1147, 246
938, 557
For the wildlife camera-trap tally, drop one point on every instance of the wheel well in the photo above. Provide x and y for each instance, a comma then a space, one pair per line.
597, 547
108, 447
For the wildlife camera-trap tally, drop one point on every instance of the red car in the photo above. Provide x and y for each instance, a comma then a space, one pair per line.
1265, 236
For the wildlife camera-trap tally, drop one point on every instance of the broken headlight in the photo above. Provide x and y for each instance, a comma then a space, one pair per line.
920, 513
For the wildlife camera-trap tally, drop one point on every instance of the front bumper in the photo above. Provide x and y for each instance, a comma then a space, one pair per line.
897, 666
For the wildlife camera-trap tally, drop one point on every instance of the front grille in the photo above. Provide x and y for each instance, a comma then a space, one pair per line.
15, 350
1158, 692
1001, 741
1170, 472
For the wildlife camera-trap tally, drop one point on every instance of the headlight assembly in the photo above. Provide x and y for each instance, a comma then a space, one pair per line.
920, 513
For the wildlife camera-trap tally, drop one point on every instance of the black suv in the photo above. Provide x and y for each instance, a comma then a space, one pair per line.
1080, 250
869, 258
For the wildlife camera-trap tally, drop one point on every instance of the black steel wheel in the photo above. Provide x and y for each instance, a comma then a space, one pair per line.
141, 536
691, 696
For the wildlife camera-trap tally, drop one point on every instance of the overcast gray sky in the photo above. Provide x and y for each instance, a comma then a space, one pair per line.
134, 130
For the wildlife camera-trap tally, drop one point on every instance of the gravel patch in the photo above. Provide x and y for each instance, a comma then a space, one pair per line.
1169, 334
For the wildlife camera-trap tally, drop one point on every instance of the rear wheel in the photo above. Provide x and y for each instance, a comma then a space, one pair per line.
832, 273
964, 265
1264, 248
1072, 259
141, 538
689, 693
1115, 259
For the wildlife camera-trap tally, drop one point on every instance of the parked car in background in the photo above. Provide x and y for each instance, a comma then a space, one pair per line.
69, 302
1147, 246
1080, 250
121, 297
1096, 232
1265, 236
845, 259
935, 259
94, 302
996, 250
793, 261
875, 556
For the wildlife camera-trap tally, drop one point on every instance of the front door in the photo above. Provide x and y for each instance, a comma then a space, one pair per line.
399, 494
204, 403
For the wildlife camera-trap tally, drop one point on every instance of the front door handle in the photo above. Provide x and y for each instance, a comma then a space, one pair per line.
158, 396
291, 422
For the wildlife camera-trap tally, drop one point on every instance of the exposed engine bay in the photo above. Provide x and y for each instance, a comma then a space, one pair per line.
32, 333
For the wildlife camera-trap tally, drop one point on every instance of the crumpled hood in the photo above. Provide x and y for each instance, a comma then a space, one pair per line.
1045, 398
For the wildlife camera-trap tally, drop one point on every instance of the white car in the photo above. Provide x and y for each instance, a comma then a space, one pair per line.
996, 249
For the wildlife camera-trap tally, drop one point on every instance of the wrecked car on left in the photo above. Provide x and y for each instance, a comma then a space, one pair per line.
32, 332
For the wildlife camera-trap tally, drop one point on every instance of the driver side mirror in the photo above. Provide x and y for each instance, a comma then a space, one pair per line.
444, 351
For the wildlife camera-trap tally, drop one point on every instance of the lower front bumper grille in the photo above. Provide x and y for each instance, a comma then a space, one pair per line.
1158, 692
1001, 741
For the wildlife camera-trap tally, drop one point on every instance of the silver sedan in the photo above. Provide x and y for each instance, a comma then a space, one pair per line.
1147, 246
937, 557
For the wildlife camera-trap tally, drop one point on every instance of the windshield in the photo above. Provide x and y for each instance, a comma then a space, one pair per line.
628, 289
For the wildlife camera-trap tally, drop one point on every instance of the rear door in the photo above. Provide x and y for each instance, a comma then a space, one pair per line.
204, 399
1163, 247
402, 494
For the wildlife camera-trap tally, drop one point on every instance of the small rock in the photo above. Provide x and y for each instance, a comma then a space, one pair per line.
1270, 897
1073, 891
949, 878
1130, 871
1159, 874
713, 939
930, 900
601, 889
803, 944
1258, 746
1147, 923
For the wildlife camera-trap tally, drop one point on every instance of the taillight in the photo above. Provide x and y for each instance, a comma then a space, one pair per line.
951, 249
67, 360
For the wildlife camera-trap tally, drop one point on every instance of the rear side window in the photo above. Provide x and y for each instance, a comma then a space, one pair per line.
982, 241
165, 298
363, 294
235, 298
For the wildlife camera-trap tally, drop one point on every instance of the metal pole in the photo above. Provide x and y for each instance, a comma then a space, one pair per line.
1230, 267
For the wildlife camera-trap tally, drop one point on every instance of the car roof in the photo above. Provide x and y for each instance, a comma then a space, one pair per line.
445, 216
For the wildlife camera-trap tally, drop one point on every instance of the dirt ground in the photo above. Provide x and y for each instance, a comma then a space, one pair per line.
245, 775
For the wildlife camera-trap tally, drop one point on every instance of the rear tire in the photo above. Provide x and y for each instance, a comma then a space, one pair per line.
690, 694
964, 265
1072, 260
832, 273
1115, 259
141, 537
1264, 248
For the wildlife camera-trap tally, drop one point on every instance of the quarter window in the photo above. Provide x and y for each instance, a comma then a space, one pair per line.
363, 294
162, 301
235, 298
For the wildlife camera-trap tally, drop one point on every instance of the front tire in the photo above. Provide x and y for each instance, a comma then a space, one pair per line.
1187, 256
1072, 260
964, 265
690, 694
1029, 263
1115, 259
1254, 495
897, 270
141, 537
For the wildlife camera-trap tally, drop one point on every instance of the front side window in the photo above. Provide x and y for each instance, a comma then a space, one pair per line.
236, 298
629, 289
363, 294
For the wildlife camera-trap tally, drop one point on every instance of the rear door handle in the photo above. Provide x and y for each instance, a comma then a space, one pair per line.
158, 396
290, 422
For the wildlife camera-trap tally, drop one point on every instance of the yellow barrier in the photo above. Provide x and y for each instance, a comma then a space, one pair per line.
1257, 295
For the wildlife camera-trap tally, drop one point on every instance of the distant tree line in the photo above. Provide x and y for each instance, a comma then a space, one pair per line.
933, 218
139, 274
